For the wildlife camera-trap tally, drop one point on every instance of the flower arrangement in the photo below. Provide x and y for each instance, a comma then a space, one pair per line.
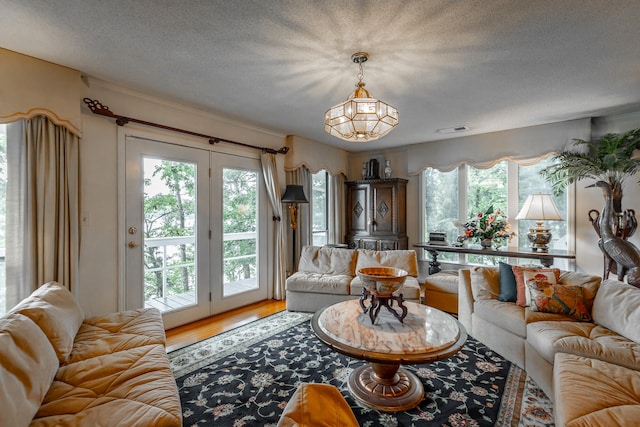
491, 224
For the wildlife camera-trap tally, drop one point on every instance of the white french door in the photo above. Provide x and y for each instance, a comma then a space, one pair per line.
191, 230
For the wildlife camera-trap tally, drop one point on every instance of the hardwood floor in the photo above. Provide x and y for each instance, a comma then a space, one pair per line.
193, 332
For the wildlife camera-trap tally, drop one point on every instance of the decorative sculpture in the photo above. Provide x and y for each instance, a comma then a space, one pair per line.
624, 225
623, 253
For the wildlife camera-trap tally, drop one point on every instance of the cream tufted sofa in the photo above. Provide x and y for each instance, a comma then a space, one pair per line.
590, 369
59, 369
327, 275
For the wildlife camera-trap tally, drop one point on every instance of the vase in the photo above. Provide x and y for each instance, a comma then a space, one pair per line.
387, 169
486, 243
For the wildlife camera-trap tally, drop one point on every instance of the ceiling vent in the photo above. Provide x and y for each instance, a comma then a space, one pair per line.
454, 129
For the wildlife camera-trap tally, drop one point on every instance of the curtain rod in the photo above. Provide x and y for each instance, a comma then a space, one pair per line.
97, 108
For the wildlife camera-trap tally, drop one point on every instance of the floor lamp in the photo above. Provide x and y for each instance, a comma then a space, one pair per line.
293, 195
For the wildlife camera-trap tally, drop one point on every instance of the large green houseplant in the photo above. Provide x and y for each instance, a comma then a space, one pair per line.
609, 158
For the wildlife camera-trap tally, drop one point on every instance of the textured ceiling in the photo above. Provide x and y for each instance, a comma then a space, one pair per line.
279, 65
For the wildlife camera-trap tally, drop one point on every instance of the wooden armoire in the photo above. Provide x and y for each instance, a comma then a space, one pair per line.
376, 214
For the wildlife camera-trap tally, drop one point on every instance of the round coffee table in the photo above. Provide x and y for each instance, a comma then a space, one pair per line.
425, 335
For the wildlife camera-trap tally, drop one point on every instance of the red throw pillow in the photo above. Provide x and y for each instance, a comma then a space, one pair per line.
521, 287
558, 299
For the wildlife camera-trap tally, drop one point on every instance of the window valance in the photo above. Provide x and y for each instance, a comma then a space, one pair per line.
523, 145
32, 87
315, 156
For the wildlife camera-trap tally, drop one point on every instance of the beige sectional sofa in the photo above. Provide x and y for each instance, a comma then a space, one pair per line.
59, 369
559, 351
327, 275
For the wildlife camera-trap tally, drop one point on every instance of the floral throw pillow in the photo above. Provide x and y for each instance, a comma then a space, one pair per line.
552, 276
558, 299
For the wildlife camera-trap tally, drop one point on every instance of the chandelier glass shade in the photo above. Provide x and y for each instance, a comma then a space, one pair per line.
360, 118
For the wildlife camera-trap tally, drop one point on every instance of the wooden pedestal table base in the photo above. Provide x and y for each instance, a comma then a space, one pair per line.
425, 335
387, 387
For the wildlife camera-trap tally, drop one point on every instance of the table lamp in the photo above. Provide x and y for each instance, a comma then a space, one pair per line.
293, 195
539, 207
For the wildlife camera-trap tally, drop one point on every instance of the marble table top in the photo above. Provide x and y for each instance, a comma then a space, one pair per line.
426, 333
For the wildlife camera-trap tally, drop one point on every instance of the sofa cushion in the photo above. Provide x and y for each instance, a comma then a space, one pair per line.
559, 299
485, 283
579, 386
617, 307
404, 259
117, 331
301, 281
117, 374
506, 315
128, 388
327, 260
54, 309
443, 281
508, 287
519, 273
28, 364
582, 339
410, 289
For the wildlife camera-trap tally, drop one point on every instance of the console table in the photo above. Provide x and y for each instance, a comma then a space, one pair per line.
546, 258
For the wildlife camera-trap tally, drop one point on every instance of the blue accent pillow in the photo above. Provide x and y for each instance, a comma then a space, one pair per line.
508, 287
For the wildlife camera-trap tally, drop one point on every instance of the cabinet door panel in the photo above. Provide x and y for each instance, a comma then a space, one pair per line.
383, 210
358, 210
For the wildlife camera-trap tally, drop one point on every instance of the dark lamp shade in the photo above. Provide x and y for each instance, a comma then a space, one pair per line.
294, 194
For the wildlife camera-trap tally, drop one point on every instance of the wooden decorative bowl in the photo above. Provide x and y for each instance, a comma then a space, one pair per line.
382, 281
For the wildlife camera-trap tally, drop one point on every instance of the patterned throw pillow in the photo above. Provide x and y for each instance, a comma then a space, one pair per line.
558, 299
521, 283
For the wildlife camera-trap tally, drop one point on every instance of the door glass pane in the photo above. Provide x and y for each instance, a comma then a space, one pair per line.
169, 234
240, 226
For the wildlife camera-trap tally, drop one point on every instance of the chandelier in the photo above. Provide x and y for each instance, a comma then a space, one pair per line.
360, 118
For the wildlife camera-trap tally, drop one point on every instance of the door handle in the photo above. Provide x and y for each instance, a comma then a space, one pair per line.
132, 244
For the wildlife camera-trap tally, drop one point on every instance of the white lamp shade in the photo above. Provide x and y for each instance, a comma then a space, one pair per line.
539, 207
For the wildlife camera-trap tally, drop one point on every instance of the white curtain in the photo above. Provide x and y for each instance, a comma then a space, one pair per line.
42, 207
279, 268
336, 207
300, 176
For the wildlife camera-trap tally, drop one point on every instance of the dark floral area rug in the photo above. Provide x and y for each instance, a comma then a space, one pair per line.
246, 376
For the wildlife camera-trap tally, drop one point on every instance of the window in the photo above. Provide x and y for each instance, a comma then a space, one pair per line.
319, 208
451, 197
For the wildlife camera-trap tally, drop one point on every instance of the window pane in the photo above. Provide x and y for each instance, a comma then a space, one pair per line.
530, 182
441, 206
319, 208
486, 188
